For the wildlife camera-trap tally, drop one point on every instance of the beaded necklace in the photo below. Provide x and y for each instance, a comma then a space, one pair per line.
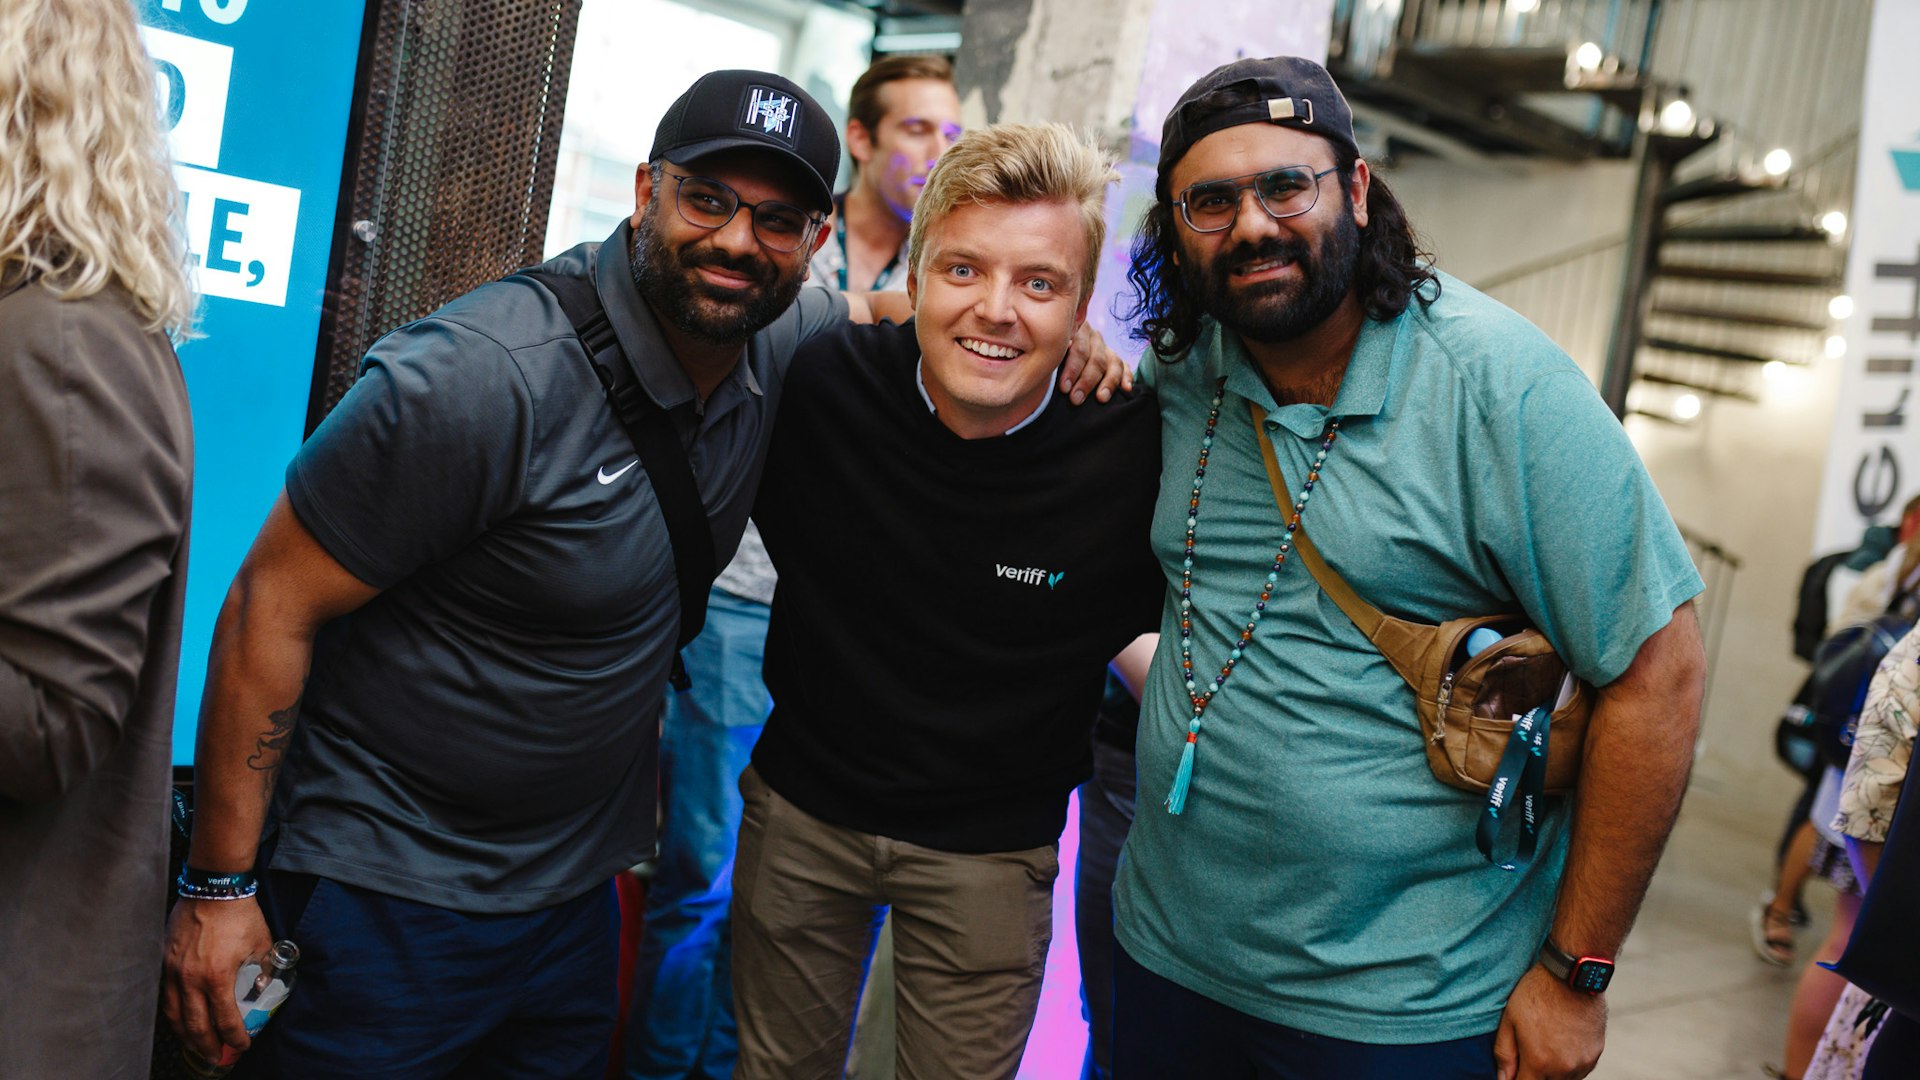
1177, 797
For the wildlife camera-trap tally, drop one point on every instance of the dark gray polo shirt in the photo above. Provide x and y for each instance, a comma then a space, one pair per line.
483, 735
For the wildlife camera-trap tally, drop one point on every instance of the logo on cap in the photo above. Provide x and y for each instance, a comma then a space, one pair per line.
772, 112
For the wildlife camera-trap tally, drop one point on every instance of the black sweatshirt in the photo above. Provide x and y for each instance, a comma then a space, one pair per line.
946, 607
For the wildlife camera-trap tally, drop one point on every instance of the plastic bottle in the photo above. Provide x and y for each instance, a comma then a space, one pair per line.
258, 989
1481, 639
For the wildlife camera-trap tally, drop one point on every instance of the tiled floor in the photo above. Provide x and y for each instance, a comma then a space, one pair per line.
1692, 1001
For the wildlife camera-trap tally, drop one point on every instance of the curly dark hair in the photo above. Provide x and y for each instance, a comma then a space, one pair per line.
1391, 270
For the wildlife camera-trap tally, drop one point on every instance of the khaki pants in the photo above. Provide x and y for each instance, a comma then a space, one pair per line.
970, 937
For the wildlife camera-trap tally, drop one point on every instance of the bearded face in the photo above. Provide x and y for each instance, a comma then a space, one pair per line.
1274, 310
667, 258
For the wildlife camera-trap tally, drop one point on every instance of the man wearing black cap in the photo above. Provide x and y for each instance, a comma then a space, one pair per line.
1299, 896
454, 629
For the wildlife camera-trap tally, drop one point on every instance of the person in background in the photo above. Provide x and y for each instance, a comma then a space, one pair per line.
96, 470
1896, 573
1856, 805
1853, 1047
903, 113
1773, 922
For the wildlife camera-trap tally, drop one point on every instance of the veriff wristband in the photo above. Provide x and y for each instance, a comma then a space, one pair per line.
200, 885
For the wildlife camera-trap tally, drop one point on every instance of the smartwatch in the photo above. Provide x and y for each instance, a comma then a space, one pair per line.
1587, 974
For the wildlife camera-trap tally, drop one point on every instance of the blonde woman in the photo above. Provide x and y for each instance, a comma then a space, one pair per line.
95, 473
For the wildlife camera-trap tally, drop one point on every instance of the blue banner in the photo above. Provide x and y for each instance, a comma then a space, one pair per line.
256, 98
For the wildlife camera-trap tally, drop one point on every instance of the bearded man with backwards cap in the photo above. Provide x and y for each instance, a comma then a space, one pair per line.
1299, 897
436, 679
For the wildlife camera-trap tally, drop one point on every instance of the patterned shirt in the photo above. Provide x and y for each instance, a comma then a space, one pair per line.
830, 261
1883, 745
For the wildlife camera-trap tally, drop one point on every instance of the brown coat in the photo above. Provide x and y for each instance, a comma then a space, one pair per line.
96, 468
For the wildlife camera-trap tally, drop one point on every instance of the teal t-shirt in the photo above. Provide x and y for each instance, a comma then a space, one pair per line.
1320, 877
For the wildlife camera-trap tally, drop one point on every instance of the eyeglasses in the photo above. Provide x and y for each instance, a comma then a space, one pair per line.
710, 204
1283, 193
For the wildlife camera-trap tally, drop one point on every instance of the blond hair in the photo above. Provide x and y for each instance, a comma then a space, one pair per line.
1018, 163
87, 195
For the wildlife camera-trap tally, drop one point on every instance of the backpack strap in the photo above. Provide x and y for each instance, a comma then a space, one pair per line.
650, 430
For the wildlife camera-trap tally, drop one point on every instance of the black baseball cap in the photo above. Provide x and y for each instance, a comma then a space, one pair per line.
1288, 90
724, 110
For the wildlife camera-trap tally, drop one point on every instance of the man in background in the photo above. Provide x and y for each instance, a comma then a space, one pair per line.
902, 115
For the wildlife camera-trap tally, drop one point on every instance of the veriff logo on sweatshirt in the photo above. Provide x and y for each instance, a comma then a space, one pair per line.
1033, 575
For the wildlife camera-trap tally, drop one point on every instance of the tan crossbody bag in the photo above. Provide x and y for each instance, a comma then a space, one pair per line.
1467, 706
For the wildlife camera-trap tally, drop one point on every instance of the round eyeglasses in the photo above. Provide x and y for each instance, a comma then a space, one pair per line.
1214, 206
710, 204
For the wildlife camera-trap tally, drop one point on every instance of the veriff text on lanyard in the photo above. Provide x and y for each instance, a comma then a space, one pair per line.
1519, 785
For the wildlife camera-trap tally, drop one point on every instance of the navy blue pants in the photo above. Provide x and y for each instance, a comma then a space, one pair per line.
1106, 813
392, 988
1163, 1031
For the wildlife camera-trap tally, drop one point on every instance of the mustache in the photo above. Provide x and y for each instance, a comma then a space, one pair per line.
1291, 249
753, 266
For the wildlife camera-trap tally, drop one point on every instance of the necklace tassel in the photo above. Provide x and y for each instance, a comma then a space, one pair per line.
1182, 778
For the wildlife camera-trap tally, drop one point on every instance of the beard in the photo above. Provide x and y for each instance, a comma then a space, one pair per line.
669, 282
1274, 312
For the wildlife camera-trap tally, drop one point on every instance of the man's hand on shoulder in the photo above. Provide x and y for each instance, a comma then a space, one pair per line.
1549, 1030
1093, 368
877, 307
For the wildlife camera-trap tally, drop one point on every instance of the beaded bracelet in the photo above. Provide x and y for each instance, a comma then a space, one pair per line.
200, 885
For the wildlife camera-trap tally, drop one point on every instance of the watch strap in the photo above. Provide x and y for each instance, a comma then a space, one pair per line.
1564, 966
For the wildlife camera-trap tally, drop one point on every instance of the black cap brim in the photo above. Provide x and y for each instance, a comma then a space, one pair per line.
822, 189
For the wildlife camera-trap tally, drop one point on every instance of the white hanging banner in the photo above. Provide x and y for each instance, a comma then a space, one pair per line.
1873, 462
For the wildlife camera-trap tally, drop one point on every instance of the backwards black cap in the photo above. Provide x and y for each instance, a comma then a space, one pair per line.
724, 110
1285, 90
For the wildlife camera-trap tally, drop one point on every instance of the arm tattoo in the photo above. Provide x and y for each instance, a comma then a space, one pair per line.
272, 745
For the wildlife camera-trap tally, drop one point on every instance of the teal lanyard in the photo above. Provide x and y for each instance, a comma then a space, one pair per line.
1521, 781
840, 237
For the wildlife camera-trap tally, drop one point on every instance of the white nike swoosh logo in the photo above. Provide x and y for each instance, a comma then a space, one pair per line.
608, 478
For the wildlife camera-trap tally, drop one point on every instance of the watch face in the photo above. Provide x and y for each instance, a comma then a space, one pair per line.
1591, 976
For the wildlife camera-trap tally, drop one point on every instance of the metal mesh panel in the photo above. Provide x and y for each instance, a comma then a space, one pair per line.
450, 164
